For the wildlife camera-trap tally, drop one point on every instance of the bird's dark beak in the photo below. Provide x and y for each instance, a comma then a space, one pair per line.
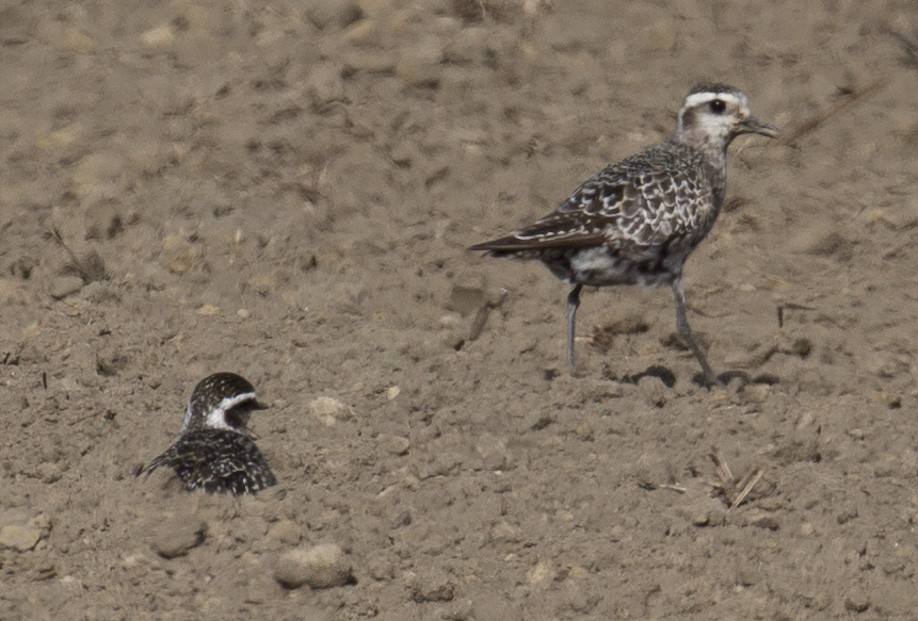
258, 405
752, 125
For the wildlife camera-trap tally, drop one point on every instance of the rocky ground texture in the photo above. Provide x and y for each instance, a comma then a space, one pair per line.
286, 190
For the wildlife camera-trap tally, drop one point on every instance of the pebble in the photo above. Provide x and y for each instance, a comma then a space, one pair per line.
285, 531
763, 520
175, 536
380, 567
704, 512
541, 573
396, 445
653, 390
858, 602
62, 286
208, 310
435, 586
159, 37
178, 255
76, 42
363, 32
319, 567
336, 13
467, 296
325, 84
886, 365
492, 453
329, 410
468, 46
20, 537
504, 532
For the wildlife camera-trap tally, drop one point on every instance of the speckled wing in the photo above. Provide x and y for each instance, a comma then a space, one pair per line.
217, 461
643, 201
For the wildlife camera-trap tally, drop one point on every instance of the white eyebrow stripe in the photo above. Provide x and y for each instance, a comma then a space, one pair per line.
699, 98
216, 418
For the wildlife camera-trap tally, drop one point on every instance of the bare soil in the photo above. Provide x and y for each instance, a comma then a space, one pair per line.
286, 190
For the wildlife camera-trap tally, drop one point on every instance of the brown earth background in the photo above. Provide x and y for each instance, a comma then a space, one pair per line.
286, 190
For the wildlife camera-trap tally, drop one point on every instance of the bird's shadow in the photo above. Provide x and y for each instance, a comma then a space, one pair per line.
668, 378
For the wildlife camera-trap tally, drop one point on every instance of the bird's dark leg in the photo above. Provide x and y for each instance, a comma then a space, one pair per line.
686, 332
573, 301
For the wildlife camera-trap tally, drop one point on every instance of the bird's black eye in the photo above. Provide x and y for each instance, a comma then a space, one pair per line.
718, 106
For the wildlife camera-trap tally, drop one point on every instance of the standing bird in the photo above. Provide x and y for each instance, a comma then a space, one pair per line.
214, 451
637, 221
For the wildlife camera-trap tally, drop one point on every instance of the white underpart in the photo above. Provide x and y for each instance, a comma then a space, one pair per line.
216, 418
594, 260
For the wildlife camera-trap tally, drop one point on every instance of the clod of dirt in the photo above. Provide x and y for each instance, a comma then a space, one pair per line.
178, 255
62, 286
319, 567
175, 536
338, 13
19, 537
329, 410
435, 586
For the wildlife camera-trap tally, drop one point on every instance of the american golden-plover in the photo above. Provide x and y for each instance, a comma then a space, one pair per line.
214, 451
637, 221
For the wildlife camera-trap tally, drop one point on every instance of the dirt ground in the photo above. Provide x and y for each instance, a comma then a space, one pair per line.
287, 190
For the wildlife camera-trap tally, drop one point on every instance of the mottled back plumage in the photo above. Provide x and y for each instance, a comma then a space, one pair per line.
637, 221
217, 460
214, 451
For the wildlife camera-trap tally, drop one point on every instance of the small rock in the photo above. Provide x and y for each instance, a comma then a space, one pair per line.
319, 567
380, 567
825, 243
492, 453
541, 573
76, 42
363, 32
653, 390
435, 586
285, 531
504, 532
763, 520
704, 512
175, 536
857, 603
208, 310
652, 471
329, 410
755, 393
62, 286
392, 392
467, 296
440, 463
325, 84
159, 37
857, 433
336, 13
20, 537
397, 445
751, 357
805, 420
807, 529
420, 63
178, 255
263, 284
886, 365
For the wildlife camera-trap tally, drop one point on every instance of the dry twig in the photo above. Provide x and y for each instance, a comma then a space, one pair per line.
732, 490
813, 123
